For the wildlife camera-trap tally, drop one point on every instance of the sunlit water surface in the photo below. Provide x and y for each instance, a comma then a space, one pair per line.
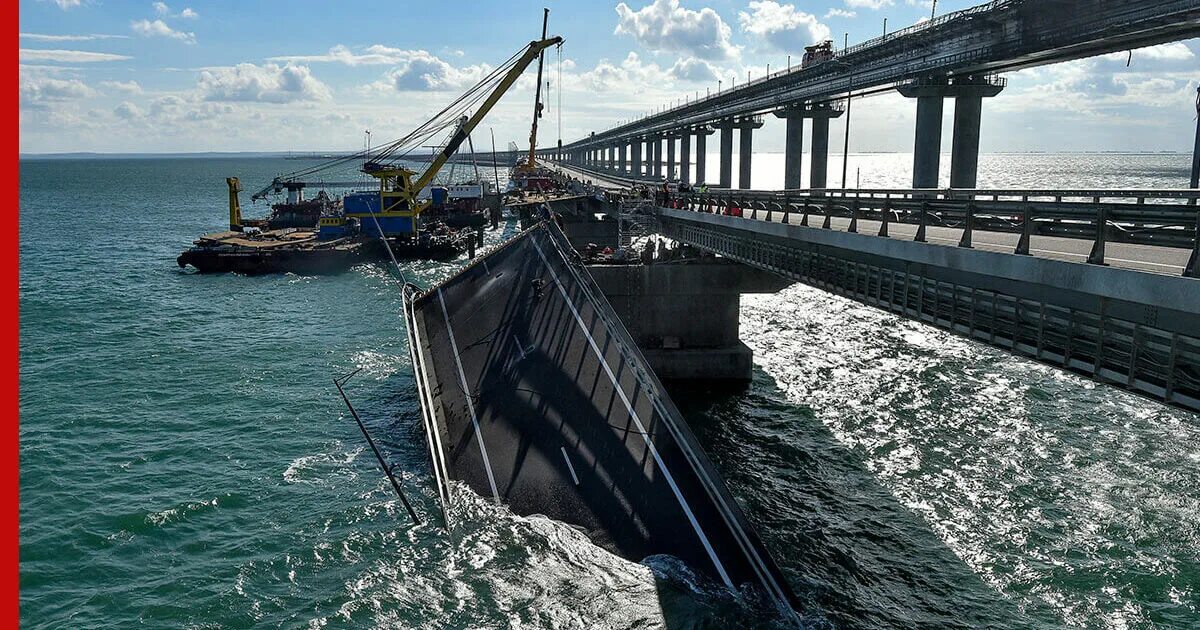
185, 461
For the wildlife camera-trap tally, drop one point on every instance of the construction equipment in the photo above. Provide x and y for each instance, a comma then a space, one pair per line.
398, 189
537, 99
235, 206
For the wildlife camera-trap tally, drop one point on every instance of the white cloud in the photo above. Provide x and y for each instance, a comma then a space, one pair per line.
128, 111
129, 87
871, 4
161, 8
692, 69
1171, 51
67, 4
68, 56
609, 77
270, 83
836, 12
782, 26
416, 70
371, 55
38, 91
40, 37
159, 28
666, 26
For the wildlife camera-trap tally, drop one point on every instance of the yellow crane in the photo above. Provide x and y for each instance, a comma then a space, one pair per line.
398, 190
399, 187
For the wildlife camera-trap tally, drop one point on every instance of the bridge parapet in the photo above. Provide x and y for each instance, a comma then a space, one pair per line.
1134, 330
1165, 218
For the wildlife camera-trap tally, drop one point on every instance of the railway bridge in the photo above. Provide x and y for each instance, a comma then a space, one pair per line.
960, 55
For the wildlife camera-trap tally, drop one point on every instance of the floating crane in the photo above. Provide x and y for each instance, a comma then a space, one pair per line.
397, 189
395, 211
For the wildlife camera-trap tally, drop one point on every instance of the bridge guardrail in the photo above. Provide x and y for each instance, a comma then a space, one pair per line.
1164, 218
1156, 217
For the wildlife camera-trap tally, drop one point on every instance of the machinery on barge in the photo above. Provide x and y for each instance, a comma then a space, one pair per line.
394, 219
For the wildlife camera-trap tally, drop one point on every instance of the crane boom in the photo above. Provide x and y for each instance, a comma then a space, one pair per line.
533, 51
537, 97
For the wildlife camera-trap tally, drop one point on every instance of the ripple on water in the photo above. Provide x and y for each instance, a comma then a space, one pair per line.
1068, 499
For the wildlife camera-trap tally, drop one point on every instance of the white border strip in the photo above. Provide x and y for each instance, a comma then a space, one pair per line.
462, 379
569, 466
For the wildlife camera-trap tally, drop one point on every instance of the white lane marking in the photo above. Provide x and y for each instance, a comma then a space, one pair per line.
569, 466
712, 554
462, 379
1057, 252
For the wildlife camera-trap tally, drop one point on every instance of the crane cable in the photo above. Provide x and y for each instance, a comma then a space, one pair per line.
444, 118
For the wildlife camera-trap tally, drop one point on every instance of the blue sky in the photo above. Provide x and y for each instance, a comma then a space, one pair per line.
305, 75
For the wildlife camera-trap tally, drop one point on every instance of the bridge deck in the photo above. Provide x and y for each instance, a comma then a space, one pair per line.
1148, 258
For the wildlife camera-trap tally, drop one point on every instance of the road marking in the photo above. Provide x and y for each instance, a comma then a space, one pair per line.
569, 466
462, 378
712, 554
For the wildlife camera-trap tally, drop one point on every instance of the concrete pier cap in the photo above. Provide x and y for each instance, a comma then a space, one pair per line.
968, 92
793, 145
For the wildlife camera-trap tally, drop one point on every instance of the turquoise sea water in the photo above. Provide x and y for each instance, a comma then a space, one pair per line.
186, 463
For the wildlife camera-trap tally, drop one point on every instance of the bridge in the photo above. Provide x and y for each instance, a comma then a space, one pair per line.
959, 55
1101, 283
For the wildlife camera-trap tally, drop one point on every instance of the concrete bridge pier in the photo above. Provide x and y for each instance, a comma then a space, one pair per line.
968, 96
702, 134
746, 128
1195, 181
671, 155
685, 150
726, 158
621, 158
793, 147
658, 304
635, 148
657, 166
819, 168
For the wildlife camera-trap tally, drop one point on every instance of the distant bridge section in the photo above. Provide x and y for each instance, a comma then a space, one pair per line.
957, 55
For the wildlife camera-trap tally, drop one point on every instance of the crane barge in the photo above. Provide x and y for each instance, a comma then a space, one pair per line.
369, 222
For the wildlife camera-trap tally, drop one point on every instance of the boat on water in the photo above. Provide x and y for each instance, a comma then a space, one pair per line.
298, 212
343, 233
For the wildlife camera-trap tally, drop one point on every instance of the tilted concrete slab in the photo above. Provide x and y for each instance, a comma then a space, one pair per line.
535, 395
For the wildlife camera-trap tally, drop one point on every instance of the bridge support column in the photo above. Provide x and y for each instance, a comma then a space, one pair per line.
793, 147
746, 127
636, 158
702, 134
1195, 182
726, 157
820, 142
658, 156
621, 158
679, 341
968, 93
671, 155
685, 150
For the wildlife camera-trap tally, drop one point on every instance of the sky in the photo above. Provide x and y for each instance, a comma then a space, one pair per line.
309, 75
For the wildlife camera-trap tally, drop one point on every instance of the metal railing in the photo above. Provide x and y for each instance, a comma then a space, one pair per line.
1164, 218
